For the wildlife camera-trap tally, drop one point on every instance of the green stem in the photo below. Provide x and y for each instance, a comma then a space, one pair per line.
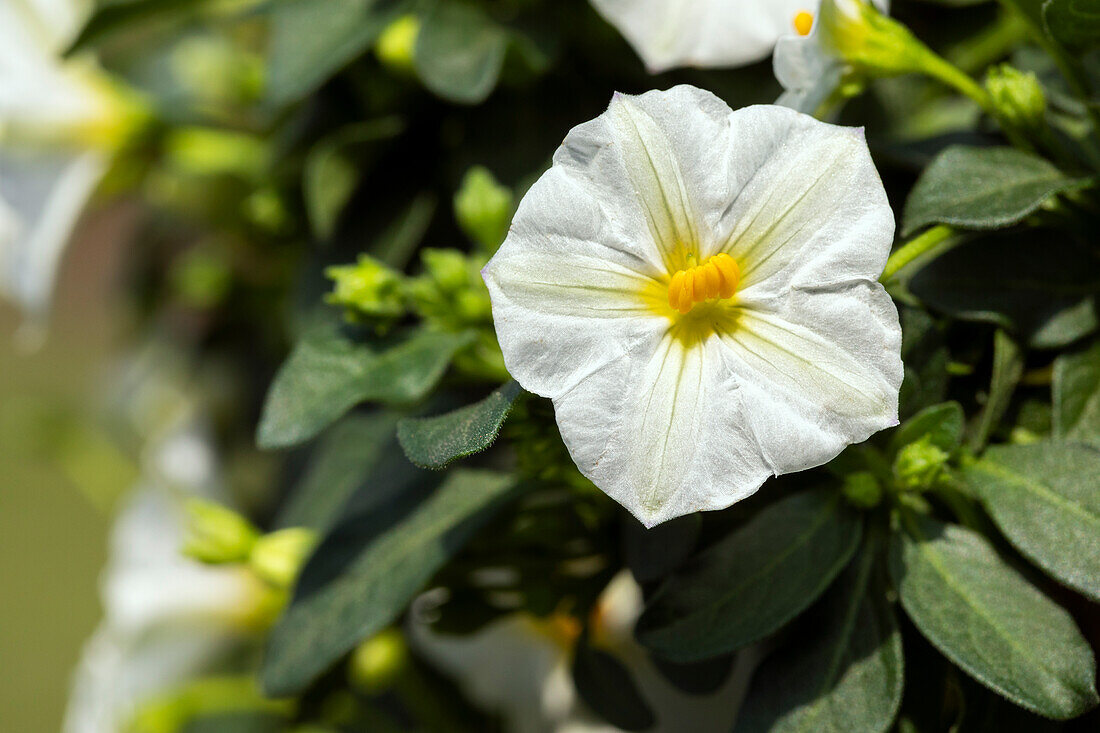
939, 68
914, 248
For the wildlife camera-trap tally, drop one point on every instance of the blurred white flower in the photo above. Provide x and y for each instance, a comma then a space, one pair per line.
809, 63
519, 668
673, 33
696, 290
60, 121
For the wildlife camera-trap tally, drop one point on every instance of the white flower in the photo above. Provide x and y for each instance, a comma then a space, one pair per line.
672, 410
59, 122
673, 33
808, 64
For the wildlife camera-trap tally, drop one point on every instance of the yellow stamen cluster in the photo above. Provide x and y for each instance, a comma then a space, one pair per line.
803, 22
717, 278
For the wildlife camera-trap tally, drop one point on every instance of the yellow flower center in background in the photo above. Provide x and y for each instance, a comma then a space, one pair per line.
717, 278
803, 22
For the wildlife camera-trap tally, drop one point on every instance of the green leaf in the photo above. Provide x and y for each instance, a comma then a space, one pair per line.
1045, 498
1037, 283
1073, 23
327, 374
339, 465
376, 580
433, 442
990, 621
1076, 388
846, 677
754, 580
982, 188
1008, 367
111, 20
331, 174
925, 358
944, 423
460, 52
310, 41
606, 686
653, 553
240, 722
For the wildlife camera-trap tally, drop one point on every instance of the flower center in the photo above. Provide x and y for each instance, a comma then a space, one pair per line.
803, 22
717, 278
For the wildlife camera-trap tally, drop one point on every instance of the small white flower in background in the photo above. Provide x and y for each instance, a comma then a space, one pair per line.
696, 290
672, 33
60, 121
810, 63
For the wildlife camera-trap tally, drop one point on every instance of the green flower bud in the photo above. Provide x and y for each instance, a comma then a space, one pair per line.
920, 465
857, 32
483, 208
396, 46
448, 269
862, 490
368, 288
378, 661
217, 535
278, 557
1017, 96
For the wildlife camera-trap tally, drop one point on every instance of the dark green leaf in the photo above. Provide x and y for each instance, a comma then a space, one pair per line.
251, 722
326, 620
1045, 498
310, 41
460, 52
348, 452
925, 358
1008, 367
697, 678
944, 423
990, 621
982, 188
327, 374
753, 581
653, 553
1076, 389
1073, 23
114, 19
846, 677
1024, 281
433, 442
606, 686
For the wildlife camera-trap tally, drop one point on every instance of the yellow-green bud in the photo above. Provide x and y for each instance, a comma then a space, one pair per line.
278, 557
367, 288
862, 489
448, 268
396, 46
857, 32
920, 465
378, 661
1017, 96
483, 208
216, 534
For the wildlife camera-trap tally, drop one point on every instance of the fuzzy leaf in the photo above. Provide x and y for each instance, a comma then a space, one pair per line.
1076, 388
753, 581
990, 621
944, 423
433, 442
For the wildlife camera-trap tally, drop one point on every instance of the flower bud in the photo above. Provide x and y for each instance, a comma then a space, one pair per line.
396, 46
920, 465
1017, 96
447, 268
483, 208
367, 288
862, 490
217, 535
873, 43
378, 661
278, 557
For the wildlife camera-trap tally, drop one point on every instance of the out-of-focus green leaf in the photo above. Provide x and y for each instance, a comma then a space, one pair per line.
257, 722
327, 374
460, 51
116, 18
846, 677
653, 553
925, 358
337, 468
1073, 23
331, 174
1037, 283
310, 41
1076, 388
433, 442
1008, 367
982, 188
377, 580
754, 581
988, 619
944, 423
1045, 498
607, 687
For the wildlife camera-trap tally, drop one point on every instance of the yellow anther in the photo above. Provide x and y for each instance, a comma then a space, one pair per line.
717, 278
803, 22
